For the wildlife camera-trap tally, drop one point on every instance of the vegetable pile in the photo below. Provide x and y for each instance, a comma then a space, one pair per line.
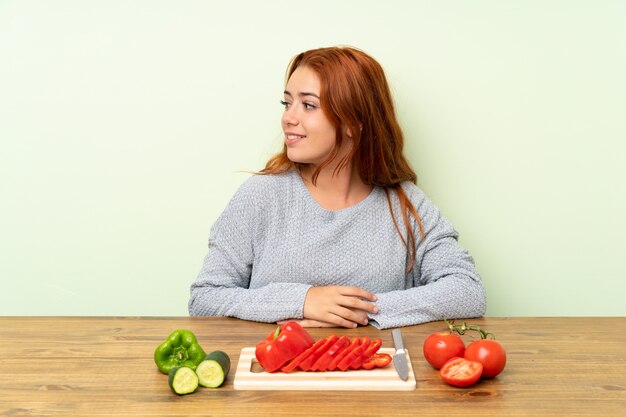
183, 359
460, 365
290, 348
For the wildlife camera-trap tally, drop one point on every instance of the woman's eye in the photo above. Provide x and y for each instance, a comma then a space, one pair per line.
285, 104
309, 106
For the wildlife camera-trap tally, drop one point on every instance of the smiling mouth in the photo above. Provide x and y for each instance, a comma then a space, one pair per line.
290, 139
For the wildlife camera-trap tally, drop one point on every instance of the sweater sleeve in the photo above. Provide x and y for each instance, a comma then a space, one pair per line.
223, 286
445, 282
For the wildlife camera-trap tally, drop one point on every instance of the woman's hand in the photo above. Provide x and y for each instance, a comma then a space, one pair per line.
337, 306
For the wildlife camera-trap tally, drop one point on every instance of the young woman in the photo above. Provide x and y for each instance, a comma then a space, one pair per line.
334, 231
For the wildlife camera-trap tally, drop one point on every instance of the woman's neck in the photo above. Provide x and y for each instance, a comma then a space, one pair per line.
336, 191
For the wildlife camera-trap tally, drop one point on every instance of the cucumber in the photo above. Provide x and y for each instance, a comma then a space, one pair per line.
183, 380
213, 369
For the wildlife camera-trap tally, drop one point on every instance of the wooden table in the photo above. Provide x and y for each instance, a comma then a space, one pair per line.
95, 366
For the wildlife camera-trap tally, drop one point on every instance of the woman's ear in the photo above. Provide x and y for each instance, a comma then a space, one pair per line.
349, 131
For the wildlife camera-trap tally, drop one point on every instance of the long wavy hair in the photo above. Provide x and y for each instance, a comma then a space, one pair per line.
355, 96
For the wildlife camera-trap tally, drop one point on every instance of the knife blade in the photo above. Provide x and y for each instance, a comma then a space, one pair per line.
399, 358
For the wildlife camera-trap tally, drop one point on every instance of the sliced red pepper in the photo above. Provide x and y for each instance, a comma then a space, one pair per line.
293, 364
373, 347
378, 360
285, 343
358, 360
344, 364
367, 353
322, 363
355, 342
306, 364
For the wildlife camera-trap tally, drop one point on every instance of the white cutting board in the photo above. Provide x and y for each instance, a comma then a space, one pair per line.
378, 379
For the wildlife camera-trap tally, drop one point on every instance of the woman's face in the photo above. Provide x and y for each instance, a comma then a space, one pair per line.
309, 135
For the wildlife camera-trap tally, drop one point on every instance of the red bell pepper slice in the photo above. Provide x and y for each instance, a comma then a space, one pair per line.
282, 345
358, 360
354, 343
378, 360
366, 353
296, 361
356, 353
322, 363
373, 347
307, 363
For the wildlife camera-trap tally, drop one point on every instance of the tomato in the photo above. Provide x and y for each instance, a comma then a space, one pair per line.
461, 372
489, 353
441, 347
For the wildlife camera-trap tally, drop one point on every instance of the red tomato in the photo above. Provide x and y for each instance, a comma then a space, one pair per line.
489, 353
441, 347
461, 372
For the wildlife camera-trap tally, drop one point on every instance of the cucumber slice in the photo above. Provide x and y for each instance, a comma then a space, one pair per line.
183, 380
213, 369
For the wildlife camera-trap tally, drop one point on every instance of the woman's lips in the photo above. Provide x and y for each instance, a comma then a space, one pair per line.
291, 138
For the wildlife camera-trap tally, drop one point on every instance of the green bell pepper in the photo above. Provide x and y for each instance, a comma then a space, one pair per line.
179, 349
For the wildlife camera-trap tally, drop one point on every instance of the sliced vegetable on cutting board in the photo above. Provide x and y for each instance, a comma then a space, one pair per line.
295, 362
378, 360
354, 343
324, 361
290, 348
307, 363
249, 375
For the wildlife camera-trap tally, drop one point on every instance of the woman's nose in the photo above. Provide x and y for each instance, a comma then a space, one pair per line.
289, 117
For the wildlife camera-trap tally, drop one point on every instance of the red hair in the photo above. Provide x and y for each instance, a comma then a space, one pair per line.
355, 96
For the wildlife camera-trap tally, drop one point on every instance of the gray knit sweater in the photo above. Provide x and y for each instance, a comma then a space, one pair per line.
273, 242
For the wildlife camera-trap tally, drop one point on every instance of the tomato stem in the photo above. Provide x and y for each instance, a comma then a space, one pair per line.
462, 328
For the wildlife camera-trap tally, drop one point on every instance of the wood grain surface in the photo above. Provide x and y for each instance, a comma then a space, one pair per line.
103, 366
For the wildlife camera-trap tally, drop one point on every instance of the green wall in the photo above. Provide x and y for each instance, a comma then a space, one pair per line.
124, 128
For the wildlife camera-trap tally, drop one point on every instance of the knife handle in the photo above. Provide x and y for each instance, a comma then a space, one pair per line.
396, 334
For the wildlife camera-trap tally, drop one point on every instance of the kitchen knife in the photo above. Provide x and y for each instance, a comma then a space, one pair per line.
399, 358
